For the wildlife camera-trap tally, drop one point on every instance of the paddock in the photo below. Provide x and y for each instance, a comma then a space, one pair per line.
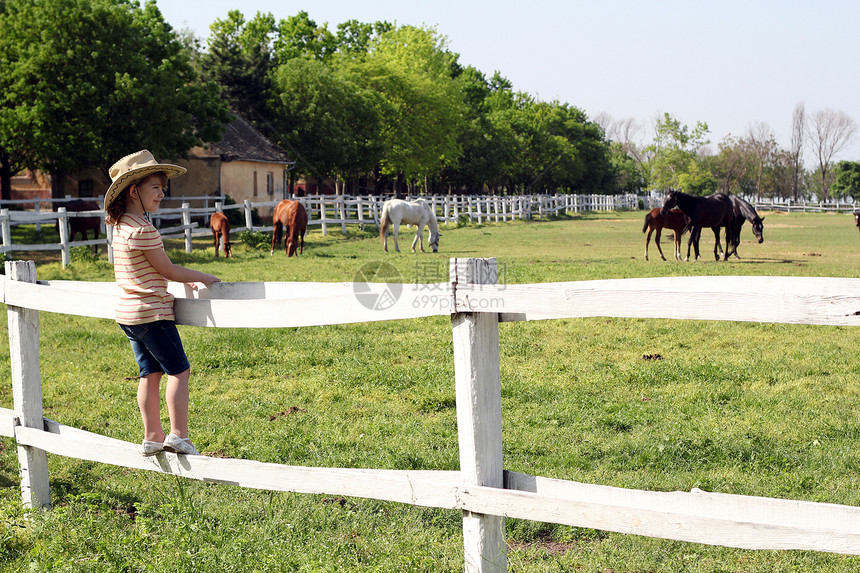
482, 490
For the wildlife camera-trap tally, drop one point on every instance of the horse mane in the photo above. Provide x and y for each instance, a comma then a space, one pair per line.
747, 210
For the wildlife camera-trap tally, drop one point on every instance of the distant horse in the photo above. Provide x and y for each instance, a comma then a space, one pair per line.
418, 213
741, 212
83, 225
220, 226
712, 211
654, 221
291, 218
857, 219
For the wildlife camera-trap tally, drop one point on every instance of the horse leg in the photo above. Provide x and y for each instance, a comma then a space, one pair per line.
396, 231
690, 241
717, 243
216, 240
419, 238
657, 242
648, 240
275, 232
677, 245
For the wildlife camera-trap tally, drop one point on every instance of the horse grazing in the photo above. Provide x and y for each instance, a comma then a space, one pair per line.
418, 213
655, 221
220, 226
83, 225
712, 211
742, 211
291, 218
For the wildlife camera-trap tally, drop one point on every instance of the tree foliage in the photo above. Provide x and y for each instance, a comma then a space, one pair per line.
87, 81
847, 180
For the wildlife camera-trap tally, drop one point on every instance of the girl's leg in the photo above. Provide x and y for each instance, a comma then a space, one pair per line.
149, 402
177, 402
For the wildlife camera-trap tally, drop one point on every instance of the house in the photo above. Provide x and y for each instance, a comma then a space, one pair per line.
244, 165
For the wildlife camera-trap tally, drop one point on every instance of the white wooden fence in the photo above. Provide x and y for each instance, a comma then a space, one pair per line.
482, 489
323, 211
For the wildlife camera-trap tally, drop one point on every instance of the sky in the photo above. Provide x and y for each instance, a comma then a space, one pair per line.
732, 64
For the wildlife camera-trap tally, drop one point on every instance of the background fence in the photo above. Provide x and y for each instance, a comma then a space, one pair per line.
187, 221
482, 490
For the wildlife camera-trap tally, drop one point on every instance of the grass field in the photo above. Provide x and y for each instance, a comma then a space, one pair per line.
746, 408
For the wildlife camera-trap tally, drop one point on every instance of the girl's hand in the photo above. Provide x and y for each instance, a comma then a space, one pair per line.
208, 280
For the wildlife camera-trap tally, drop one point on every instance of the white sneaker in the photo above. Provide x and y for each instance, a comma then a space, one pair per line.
175, 444
150, 448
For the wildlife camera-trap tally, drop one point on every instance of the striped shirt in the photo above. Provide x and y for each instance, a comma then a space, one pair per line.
145, 297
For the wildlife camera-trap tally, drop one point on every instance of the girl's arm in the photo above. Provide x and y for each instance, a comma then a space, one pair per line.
173, 272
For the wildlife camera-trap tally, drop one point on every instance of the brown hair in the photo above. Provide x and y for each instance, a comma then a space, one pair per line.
117, 207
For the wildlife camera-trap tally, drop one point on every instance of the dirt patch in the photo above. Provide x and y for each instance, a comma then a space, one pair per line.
284, 413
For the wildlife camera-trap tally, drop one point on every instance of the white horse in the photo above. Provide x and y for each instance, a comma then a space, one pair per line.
418, 213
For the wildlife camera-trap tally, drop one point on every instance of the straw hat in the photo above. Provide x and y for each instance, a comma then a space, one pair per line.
134, 167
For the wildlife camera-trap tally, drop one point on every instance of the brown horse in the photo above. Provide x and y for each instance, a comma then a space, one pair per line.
83, 225
291, 217
221, 229
857, 219
655, 221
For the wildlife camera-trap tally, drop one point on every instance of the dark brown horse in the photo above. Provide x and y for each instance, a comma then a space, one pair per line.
712, 211
857, 219
291, 218
655, 221
742, 212
83, 225
221, 230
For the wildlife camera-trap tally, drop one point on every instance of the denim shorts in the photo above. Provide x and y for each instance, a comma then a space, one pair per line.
157, 347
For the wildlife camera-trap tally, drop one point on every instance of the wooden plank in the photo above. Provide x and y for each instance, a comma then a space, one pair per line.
716, 519
792, 300
8, 421
789, 300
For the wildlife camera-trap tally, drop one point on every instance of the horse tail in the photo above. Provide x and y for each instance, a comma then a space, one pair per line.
647, 222
384, 222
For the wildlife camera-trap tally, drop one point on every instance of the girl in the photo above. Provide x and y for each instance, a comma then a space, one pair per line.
145, 308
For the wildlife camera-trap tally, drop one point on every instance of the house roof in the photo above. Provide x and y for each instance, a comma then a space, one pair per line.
242, 142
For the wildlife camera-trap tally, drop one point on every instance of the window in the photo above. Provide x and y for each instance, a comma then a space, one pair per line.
270, 183
255, 183
85, 188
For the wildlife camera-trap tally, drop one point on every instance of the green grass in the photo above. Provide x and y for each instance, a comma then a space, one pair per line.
754, 409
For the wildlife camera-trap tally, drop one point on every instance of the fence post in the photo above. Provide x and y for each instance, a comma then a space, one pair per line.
27, 389
479, 415
249, 216
63, 224
5, 228
186, 222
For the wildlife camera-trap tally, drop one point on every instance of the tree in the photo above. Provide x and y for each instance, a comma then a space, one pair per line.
410, 69
108, 78
798, 136
676, 162
299, 36
240, 60
331, 124
830, 131
847, 180
764, 147
733, 165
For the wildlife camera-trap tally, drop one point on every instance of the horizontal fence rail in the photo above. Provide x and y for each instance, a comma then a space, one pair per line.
476, 309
